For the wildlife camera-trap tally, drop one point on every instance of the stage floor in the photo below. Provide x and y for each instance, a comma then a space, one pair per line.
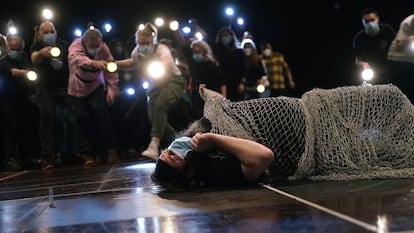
122, 198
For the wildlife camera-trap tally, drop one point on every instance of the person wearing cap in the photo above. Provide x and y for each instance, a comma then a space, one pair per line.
199, 160
254, 70
91, 88
164, 91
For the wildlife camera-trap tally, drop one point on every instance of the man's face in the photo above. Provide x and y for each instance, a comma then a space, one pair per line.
368, 18
15, 44
94, 43
46, 28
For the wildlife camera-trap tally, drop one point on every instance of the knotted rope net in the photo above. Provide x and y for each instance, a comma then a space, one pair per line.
346, 133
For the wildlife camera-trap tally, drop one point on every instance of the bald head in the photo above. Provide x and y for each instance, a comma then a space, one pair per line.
47, 33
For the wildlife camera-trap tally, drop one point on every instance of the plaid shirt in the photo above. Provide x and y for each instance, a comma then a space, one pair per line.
276, 68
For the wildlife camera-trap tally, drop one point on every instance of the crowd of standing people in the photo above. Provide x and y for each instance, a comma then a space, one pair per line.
79, 112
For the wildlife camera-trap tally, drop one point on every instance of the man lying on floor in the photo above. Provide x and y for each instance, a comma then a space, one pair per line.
355, 132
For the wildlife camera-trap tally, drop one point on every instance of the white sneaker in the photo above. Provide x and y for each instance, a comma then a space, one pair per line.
151, 153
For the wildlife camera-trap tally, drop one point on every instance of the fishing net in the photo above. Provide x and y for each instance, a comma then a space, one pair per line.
354, 132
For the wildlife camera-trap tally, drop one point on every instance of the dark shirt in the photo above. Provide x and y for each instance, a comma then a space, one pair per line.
53, 72
374, 49
208, 73
12, 87
222, 172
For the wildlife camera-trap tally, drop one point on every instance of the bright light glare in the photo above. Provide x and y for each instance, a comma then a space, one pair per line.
55, 51
156, 70
141, 165
141, 26
367, 74
47, 14
229, 11
199, 36
186, 29
145, 85
159, 22
111, 67
412, 45
31, 75
240, 21
130, 91
174, 25
77, 33
260, 88
13, 30
108, 27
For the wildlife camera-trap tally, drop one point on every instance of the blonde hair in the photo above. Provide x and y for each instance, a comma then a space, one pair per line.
207, 51
148, 30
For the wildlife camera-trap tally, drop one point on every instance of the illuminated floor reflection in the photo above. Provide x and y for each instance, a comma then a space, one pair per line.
122, 198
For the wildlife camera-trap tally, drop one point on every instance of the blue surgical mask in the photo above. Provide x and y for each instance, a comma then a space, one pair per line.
198, 57
181, 146
93, 51
15, 55
225, 40
49, 39
371, 27
145, 49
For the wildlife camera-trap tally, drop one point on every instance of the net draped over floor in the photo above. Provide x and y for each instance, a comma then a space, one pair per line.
345, 133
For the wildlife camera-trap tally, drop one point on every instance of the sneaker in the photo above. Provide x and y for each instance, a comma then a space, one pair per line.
112, 156
151, 153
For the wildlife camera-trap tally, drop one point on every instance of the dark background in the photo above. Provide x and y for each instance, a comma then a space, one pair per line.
315, 36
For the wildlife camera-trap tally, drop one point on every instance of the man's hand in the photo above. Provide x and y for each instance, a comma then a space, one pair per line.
99, 64
45, 52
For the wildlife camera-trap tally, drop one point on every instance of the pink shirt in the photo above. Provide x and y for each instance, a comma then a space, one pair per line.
83, 80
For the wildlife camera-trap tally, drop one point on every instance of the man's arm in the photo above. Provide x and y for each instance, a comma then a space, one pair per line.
254, 157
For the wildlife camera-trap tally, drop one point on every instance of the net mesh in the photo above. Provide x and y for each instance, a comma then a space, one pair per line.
355, 132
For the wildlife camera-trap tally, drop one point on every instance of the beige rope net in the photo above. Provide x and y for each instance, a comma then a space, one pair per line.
355, 132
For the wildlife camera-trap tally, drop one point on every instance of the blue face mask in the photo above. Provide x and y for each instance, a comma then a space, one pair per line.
93, 51
181, 146
198, 57
145, 49
225, 40
15, 55
49, 39
371, 27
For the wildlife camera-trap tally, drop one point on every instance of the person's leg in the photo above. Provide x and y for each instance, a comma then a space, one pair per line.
47, 120
159, 105
106, 143
9, 133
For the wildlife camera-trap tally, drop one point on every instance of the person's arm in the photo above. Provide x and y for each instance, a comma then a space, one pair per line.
38, 56
254, 157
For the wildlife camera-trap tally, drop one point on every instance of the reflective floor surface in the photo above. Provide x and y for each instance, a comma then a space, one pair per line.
122, 198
